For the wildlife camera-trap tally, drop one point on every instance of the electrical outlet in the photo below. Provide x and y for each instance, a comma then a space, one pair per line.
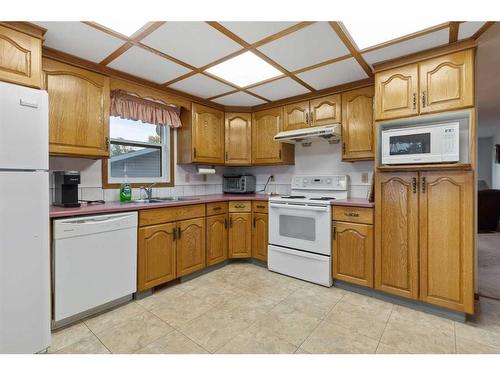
187, 177
364, 177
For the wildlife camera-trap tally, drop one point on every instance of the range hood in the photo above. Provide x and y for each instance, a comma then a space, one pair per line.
331, 133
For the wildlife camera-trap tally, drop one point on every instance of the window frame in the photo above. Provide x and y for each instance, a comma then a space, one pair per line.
109, 182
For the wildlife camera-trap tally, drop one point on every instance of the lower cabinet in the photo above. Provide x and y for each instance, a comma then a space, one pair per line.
217, 232
259, 236
156, 255
240, 235
191, 255
353, 253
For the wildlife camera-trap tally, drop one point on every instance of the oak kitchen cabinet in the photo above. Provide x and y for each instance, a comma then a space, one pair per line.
357, 124
238, 137
240, 229
265, 150
217, 232
20, 55
439, 84
201, 137
353, 245
321, 111
260, 225
191, 256
78, 110
424, 225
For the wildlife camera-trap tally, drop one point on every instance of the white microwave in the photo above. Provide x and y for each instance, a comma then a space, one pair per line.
435, 143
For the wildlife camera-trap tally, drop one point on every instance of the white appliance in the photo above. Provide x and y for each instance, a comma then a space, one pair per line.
94, 264
331, 133
24, 220
300, 240
435, 143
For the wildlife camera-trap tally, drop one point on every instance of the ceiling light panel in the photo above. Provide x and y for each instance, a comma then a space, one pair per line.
124, 27
367, 33
244, 70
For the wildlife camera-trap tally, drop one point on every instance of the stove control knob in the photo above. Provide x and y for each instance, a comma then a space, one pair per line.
329, 181
304, 181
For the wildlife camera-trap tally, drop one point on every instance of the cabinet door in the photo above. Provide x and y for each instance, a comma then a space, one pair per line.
265, 125
238, 139
240, 235
208, 135
446, 239
260, 236
191, 255
217, 232
447, 82
156, 256
396, 234
357, 124
353, 253
396, 92
78, 110
20, 58
325, 110
296, 116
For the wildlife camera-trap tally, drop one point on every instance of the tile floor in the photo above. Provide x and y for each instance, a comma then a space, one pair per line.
244, 308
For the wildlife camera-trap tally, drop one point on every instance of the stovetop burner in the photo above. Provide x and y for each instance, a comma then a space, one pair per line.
322, 199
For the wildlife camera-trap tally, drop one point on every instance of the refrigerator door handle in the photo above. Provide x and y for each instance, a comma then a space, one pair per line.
24, 103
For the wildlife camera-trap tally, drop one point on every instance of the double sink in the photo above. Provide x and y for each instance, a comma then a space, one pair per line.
161, 200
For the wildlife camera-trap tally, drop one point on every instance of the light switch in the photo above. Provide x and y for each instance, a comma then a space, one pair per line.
364, 177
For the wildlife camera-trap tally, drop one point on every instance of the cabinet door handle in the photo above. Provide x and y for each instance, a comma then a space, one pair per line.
107, 143
414, 185
414, 100
423, 184
307, 118
225, 223
194, 152
334, 232
279, 154
179, 233
423, 99
175, 234
343, 148
230, 222
254, 221
226, 155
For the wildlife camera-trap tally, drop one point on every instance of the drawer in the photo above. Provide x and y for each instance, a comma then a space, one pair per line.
351, 214
169, 214
240, 206
216, 208
259, 206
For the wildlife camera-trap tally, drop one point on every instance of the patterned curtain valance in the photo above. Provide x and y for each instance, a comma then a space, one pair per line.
132, 107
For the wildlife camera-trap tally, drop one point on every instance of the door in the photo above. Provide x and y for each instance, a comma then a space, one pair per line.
301, 226
217, 232
266, 124
446, 239
353, 253
325, 110
259, 237
208, 135
23, 128
357, 124
191, 255
447, 82
296, 116
240, 235
156, 255
238, 139
396, 92
396, 234
24, 262
78, 110
20, 58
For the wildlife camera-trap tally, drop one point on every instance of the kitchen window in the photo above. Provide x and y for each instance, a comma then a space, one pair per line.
139, 153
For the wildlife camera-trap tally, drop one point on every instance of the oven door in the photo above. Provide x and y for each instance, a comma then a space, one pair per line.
410, 146
300, 226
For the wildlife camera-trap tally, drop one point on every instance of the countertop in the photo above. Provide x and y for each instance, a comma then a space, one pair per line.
96, 209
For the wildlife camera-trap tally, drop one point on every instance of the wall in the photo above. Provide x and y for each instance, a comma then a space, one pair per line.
484, 160
320, 158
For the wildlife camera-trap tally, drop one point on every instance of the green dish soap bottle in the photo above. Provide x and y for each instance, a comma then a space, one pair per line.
125, 192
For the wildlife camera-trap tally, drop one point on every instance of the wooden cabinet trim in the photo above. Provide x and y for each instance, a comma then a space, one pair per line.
153, 216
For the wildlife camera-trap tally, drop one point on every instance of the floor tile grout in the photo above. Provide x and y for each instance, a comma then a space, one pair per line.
385, 327
97, 337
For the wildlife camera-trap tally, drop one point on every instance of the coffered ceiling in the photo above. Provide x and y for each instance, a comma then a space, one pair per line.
306, 56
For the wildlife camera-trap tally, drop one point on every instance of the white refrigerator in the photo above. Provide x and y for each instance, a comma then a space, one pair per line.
24, 220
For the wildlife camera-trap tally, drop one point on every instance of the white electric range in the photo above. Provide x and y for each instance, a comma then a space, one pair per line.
300, 242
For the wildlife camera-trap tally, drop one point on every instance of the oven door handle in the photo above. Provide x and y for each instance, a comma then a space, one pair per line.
298, 207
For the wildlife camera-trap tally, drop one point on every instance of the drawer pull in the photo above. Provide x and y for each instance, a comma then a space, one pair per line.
260, 206
351, 214
240, 206
217, 208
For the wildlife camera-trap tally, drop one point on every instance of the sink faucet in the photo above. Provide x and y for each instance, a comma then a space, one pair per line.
148, 190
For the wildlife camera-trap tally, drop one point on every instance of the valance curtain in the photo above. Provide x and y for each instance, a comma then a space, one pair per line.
132, 107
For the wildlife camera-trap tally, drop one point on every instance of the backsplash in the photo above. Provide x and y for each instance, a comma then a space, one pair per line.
320, 158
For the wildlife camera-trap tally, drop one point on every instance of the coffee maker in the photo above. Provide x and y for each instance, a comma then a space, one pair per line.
66, 188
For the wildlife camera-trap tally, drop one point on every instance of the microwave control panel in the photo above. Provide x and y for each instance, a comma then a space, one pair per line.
450, 140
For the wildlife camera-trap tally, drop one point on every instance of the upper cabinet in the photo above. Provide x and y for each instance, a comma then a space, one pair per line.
78, 110
201, 137
440, 84
20, 57
357, 124
321, 111
447, 82
265, 150
238, 139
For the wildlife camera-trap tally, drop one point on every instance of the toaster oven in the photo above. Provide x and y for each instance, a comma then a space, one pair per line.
239, 184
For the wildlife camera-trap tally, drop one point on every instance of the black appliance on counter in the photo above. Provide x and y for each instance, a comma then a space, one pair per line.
66, 188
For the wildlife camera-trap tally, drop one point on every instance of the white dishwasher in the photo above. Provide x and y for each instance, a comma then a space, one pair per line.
94, 264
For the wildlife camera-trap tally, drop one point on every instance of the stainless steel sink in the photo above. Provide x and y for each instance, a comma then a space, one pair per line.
161, 200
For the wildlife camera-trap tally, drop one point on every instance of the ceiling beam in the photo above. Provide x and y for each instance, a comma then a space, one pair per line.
481, 31
454, 26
